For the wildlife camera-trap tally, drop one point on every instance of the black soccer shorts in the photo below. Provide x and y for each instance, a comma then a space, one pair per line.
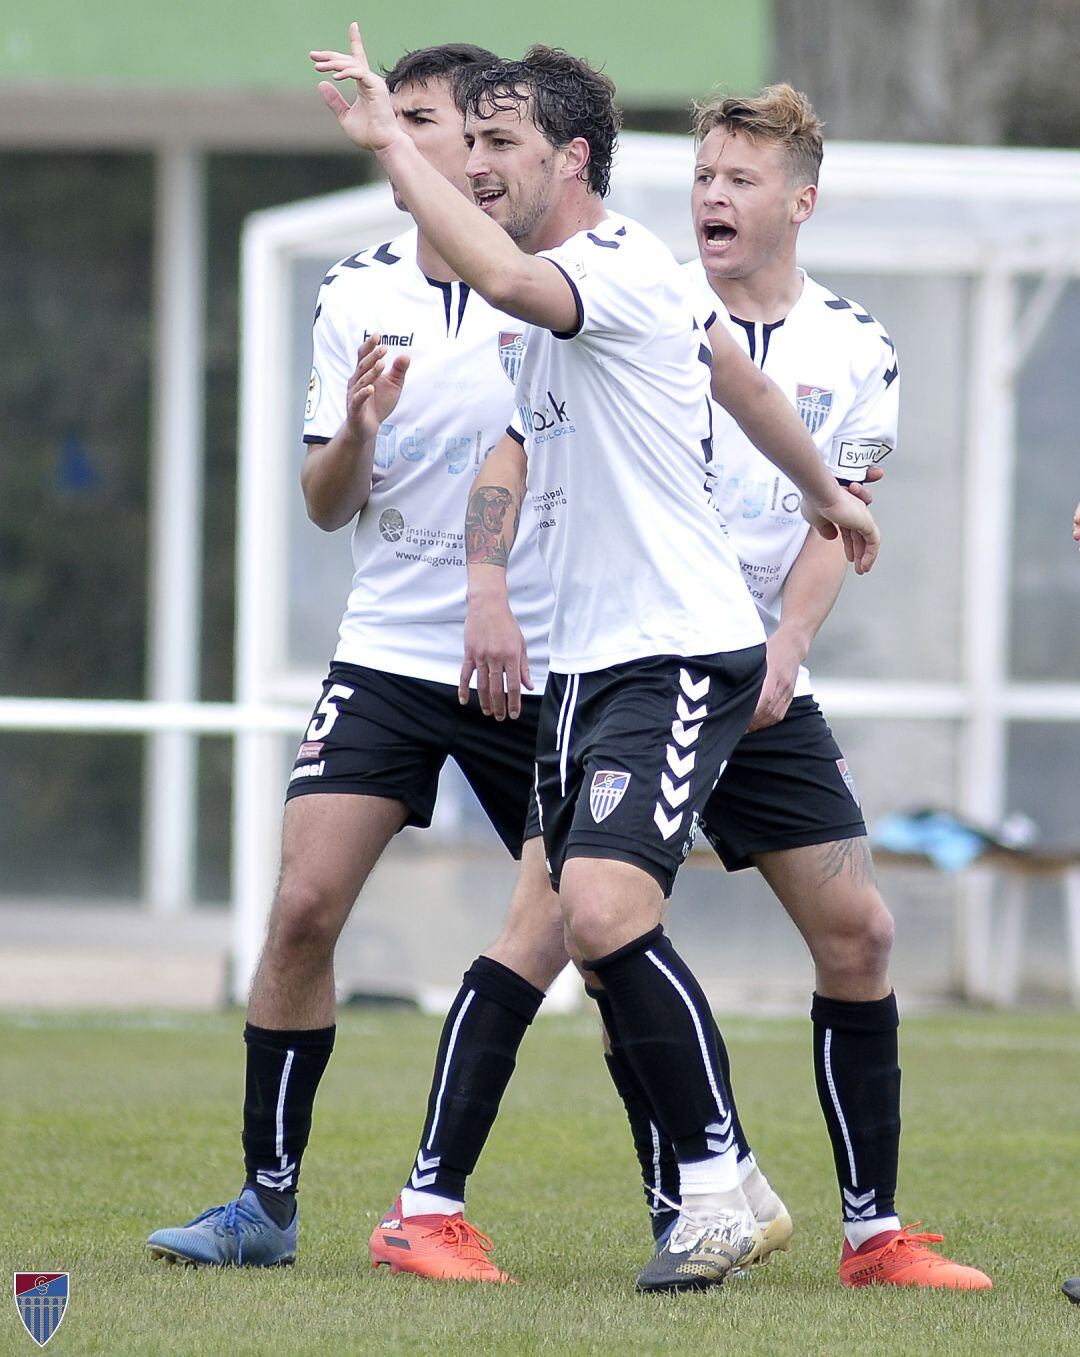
627, 756
786, 786
379, 734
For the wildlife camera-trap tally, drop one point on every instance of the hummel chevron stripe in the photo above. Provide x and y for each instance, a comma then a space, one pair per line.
684, 736
694, 691
685, 714
666, 826
681, 767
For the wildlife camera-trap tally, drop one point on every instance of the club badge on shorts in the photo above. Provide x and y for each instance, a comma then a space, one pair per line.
41, 1298
849, 781
607, 790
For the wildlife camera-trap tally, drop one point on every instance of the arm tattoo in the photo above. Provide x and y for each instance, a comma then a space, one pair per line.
485, 525
847, 857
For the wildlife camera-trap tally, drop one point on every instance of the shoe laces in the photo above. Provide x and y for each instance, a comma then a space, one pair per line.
466, 1239
690, 1234
233, 1217
909, 1239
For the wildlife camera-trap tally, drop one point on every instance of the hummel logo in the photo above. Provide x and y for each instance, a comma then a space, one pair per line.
694, 691
666, 826
859, 1207
684, 736
681, 767
420, 1176
393, 341
673, 795
685, 714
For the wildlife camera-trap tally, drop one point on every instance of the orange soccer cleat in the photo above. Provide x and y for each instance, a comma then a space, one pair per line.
447, 1248
901, 1258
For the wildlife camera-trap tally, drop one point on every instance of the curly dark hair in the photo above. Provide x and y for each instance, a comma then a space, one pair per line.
563, 96
450, 61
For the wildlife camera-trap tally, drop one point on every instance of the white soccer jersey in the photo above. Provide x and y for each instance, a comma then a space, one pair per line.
616, 421
837, 366
406, 610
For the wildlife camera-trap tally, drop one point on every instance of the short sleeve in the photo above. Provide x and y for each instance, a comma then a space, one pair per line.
517, 428
867, 433
620, 290
331, 367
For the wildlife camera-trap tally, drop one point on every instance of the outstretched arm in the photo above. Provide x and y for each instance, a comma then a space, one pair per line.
768, 419
474, 246
336, 476
494, 645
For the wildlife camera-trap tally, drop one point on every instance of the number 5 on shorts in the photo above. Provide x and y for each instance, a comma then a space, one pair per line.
319, 729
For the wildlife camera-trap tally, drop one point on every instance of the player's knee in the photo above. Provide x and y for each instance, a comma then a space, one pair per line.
307, 917
858, 947
591, 924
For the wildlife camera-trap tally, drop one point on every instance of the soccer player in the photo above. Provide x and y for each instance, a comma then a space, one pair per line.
657, 652
398, 458
786, 803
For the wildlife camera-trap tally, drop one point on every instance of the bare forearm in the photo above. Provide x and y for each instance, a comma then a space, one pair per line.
812, 587
768, 419
336, 478
492, 518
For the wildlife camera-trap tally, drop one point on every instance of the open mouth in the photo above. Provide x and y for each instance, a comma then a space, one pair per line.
486, 198
718, 233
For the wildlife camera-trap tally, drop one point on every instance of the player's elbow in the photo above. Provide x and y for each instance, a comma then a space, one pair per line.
503, 287
324, 508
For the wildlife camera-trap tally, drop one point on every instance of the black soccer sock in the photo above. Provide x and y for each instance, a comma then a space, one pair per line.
666, 1031
742, 1145
857, 1068
477, 1054
655, 1152
283, 1073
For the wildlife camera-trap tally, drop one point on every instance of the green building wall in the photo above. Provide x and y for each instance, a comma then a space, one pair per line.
659, 55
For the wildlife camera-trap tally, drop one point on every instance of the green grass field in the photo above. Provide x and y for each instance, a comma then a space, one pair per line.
115, 1126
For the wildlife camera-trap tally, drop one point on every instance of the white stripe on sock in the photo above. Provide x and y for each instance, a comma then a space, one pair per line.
836, 1105
446, 1065
279, 1116
702, 1046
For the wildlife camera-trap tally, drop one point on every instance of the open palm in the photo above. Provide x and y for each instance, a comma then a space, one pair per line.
369, 121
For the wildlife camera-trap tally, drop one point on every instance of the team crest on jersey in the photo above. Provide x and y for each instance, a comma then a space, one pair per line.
41, 1298
511, 352
813, 405
607, 790
391, 525
849, 781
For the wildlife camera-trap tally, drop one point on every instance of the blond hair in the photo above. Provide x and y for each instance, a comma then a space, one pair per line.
779, 116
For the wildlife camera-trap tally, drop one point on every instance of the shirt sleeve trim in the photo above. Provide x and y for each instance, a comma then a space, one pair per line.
570, 334
517, 437
316, 438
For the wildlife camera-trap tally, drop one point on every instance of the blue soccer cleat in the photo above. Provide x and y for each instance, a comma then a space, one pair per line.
239, 1234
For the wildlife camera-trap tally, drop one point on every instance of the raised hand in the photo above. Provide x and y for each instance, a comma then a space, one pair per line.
372, 393
369, 121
